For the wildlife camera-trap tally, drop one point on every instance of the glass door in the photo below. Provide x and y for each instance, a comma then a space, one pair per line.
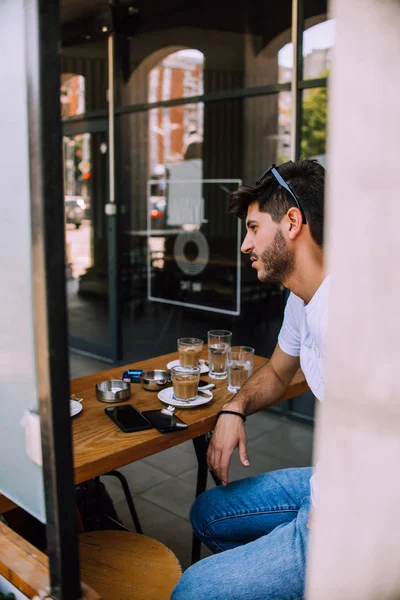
88, 232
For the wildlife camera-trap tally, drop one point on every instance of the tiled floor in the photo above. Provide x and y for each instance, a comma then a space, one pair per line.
164, 485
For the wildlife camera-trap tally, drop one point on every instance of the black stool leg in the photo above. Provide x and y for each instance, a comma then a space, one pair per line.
200, 445
128, 497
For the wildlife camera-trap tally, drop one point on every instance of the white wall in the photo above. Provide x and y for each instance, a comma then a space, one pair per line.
355, 540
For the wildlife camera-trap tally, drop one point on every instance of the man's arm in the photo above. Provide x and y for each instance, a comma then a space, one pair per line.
267, 384
264, 388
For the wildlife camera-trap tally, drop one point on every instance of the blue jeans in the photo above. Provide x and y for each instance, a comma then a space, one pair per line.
257, 530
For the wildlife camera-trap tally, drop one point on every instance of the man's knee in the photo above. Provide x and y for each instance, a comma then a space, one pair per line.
191, 584
182, 589
200, 513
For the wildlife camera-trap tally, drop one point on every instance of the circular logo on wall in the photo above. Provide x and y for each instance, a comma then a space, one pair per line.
191, 252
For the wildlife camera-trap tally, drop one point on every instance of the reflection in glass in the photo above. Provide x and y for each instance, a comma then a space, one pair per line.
270, 65
314, 123
176, 133
72, 95
84, 78
267, 132
240, 52
318, 43
178, 75
77, 165
285, 62
198, 246
85, 173
175, 152
284, 127
192, 247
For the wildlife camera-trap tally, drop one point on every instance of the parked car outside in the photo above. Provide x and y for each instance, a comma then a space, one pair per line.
74, 210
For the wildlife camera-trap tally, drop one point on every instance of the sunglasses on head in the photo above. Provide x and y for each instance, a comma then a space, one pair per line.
274, 172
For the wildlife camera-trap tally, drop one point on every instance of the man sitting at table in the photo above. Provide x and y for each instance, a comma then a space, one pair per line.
258, 527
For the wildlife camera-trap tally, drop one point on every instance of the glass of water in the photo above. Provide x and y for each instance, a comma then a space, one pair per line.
240, 366
219, 342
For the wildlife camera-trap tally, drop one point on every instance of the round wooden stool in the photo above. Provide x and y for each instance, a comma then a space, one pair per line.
127, 566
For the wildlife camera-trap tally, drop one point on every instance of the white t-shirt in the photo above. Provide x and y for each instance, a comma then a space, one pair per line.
303, 334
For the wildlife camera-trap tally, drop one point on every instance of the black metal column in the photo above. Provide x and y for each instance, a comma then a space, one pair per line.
297, 93
48, 257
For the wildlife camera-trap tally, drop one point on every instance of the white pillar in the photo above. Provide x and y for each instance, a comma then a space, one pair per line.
355, 536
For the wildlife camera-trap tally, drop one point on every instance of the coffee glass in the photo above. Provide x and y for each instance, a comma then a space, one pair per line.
189, 351
185, 381
219, 342
240, 366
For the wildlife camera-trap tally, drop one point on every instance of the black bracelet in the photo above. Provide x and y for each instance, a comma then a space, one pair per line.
231, 412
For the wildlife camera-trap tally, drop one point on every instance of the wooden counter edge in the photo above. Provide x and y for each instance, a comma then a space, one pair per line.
27, 568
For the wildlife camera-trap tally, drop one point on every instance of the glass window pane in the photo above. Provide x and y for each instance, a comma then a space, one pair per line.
285, 61
86, 192
84, 77
314, 123
318, 43
178, 75
284, 126
189, 226
72, 95
175, 136
267, 128
218, 50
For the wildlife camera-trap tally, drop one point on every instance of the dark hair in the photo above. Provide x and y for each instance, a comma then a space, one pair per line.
306, 178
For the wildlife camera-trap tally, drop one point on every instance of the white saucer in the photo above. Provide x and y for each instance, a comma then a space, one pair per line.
74, 407
166, 396
202, 362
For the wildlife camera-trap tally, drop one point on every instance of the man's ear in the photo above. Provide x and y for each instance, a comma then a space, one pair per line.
294, 222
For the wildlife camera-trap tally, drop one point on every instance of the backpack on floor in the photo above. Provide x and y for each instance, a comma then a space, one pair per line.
96, 507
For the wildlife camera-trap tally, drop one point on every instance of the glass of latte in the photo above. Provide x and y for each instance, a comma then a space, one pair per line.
185, 381
189, 350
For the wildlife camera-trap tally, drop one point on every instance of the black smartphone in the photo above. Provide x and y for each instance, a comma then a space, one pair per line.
128, 418
165, 421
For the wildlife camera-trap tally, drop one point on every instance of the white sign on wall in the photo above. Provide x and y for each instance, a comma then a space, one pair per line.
193, 244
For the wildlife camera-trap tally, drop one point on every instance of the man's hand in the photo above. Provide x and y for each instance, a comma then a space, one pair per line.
263, 388
229, 433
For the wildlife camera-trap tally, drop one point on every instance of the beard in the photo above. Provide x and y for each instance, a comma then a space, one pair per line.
277, 261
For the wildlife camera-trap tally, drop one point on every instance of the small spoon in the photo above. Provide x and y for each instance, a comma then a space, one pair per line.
73, 397
203, 394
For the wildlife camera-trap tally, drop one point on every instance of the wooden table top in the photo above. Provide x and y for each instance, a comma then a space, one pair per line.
100, 446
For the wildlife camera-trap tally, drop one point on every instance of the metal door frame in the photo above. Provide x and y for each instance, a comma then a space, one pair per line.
49, 300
